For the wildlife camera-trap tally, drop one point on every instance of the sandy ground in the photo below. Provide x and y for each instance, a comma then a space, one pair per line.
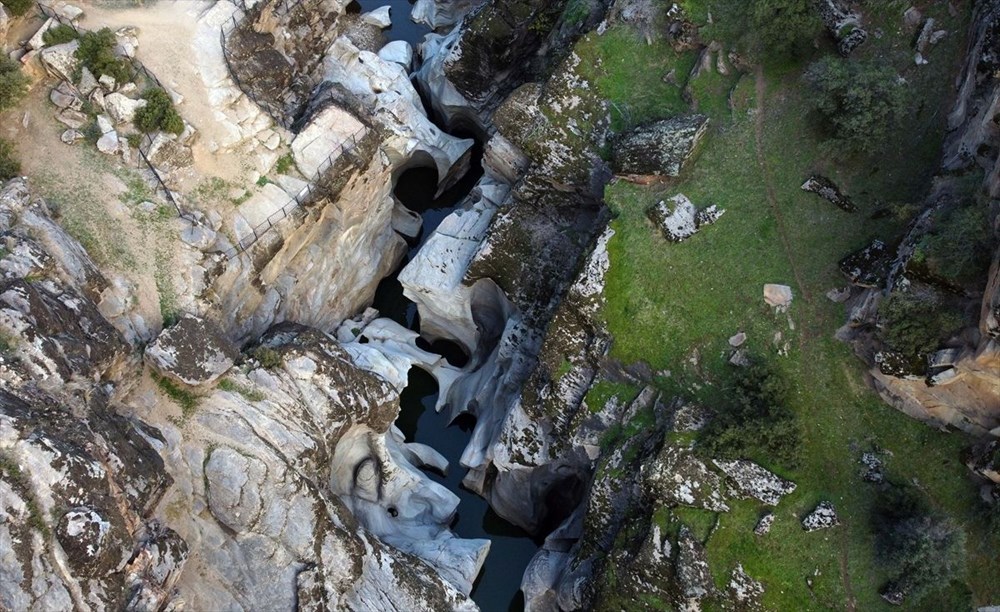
166, 30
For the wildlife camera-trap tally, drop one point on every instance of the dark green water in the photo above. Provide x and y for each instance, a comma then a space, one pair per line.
402, 28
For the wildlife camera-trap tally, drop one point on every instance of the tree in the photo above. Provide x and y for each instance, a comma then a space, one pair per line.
757, 421
158, 114
13, 83
9, 164
860, 101
767, 29
915, 324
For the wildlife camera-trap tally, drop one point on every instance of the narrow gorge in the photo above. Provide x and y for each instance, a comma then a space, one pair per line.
499, 305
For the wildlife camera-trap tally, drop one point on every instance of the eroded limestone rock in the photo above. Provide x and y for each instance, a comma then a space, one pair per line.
660, 149
192, 351
751, 480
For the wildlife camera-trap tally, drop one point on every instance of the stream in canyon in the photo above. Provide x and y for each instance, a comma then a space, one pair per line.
498, 587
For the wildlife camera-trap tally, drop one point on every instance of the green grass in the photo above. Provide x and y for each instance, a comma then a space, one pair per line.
248, 393
675, 305
630, 74
187, 400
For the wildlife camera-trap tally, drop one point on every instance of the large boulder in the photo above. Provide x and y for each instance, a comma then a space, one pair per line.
660, 149
192, 351
60, 60
751, 480
122, 108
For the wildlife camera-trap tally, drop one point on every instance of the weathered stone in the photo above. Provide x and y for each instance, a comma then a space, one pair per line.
823, 517
843, 24
659, 149
191, 351
873, 468
60, 60
72, 119
763, 526
121, 108
677, 219
399, 52
869, 266
379, 17
778, 296
677, 477
693, 575
62, 99
751, 480
690, 417
108, 143
708, 215
737, 340
839, 296
744, 592
71, 136
828, 190
107, 82
37, 40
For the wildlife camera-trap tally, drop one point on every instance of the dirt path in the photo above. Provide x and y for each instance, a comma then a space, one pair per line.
772, 198
166, 33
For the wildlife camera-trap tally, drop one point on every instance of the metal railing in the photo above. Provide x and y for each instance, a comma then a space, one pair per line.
346, 147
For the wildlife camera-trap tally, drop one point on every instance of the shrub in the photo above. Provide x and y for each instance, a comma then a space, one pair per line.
860, 101
915, 325
13, 83
17, 7
187, 400
757, 421
919, 552
97, 52
959, 246
9, 164
158, 114
285, 163
60, 34
267, 357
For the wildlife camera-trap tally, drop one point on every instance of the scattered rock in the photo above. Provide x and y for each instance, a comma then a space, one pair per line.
659, 149
107, 82
893, 594
88, 82
912, 18
739, 358
778, 296
708, 215
839, 296
843, 24
68, 12
745, 592
675, 220
108, 143
198, 236
752, 480
737, 340
104, 124
379, 17
37, 41
63, 99
823, 517
121, 108
828, 190
872, 470
71, 136
192, 351
73, 119
763, 526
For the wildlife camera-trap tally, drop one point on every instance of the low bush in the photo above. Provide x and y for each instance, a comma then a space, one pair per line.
97, 52
768, 30
267, 357
60, 34
158, 114
915, 324
187, 400
756, 422
18, 7
13, 83
959, 246
10, 166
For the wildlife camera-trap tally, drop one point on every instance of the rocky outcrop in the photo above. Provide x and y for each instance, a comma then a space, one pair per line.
843, 24
658, 150
824, 516
192, 351
961, 393
828, 190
